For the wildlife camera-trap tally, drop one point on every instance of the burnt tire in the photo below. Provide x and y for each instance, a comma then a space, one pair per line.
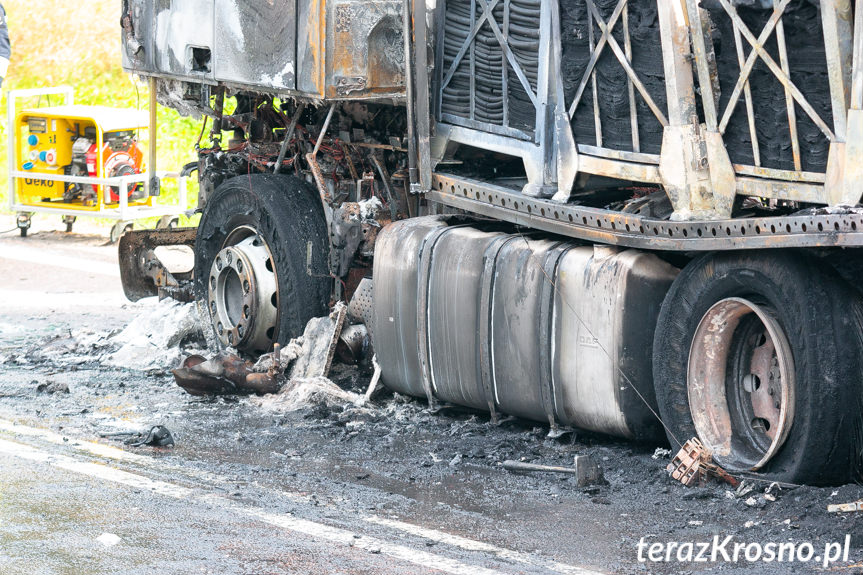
820, 317
286, 214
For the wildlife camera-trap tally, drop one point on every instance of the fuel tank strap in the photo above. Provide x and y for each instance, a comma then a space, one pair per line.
425, 264
546, 377
486, 370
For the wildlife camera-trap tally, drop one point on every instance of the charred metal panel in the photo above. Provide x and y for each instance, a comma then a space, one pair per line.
365, 48
350, 48
541, 329
137, 35
256, 42
168, 37
183, 37
310, 46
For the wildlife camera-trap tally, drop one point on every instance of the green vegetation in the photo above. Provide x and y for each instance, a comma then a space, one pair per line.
59, 43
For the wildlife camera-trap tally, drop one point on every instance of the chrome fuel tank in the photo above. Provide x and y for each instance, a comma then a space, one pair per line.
542, 329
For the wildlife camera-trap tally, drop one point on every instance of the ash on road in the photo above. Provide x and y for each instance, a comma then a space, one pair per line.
331, 487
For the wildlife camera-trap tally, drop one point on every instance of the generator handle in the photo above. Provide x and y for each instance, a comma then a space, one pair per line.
11, 104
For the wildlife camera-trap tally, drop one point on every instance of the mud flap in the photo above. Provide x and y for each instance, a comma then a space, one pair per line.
141, 271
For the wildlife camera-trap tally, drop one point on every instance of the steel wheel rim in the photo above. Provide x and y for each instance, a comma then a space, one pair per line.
243, 292
740, 383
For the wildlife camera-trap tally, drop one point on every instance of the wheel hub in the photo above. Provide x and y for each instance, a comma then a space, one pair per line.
740, 383
243, 300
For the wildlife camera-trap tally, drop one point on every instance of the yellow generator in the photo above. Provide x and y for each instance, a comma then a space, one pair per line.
81, 160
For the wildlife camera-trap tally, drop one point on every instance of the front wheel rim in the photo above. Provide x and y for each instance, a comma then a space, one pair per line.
741, 383
243, 293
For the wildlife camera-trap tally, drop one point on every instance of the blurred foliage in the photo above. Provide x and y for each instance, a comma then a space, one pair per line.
77, 43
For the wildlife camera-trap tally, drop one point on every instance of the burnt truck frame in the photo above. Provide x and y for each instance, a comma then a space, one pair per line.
627, 216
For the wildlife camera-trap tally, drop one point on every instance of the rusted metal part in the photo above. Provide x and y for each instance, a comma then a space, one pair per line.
585, 468
223, 375
182, 293
742, 412
692, 466
845, 507
844, 228
141, 271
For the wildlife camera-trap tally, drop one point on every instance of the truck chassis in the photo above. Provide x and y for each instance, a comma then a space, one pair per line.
695, 163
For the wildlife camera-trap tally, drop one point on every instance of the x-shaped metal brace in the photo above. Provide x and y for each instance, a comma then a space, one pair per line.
487, 16
608, 38
758, 51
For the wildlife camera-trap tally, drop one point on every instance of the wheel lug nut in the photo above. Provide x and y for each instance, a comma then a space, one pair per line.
240, 266
230, 337
213, 307
228, 258
219, 264
240, 330
246, 286
777, 404
220, 328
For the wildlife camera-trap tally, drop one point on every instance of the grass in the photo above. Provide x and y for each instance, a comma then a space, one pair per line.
59, 42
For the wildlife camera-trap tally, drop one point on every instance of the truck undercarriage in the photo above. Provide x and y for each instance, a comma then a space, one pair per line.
632, 217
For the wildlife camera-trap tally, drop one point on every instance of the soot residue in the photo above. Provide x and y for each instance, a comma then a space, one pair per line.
610, 75
808, 66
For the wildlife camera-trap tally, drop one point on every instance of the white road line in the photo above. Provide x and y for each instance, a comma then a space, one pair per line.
465, 543
473, 545
43, 257
282, 520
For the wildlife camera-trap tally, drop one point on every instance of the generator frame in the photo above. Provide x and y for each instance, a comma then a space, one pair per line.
120, 211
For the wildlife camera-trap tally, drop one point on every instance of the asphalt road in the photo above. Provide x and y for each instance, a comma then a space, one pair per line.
251, 489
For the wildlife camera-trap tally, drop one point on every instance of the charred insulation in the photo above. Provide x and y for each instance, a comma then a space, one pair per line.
611, 78
499, 97
808, 65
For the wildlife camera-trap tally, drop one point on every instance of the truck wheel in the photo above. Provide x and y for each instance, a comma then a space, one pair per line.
759, 356
251, 260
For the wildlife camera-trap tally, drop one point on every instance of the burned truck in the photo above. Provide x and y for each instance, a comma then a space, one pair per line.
635, 217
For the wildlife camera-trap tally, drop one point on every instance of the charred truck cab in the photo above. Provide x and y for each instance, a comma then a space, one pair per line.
637, 217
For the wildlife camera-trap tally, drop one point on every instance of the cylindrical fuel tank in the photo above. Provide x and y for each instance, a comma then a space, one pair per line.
397, 259
542, 329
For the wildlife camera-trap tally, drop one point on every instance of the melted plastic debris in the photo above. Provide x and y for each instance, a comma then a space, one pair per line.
153, 339
156, 339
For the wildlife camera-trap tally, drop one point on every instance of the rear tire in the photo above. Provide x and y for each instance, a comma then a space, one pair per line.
802, 307
281, 214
